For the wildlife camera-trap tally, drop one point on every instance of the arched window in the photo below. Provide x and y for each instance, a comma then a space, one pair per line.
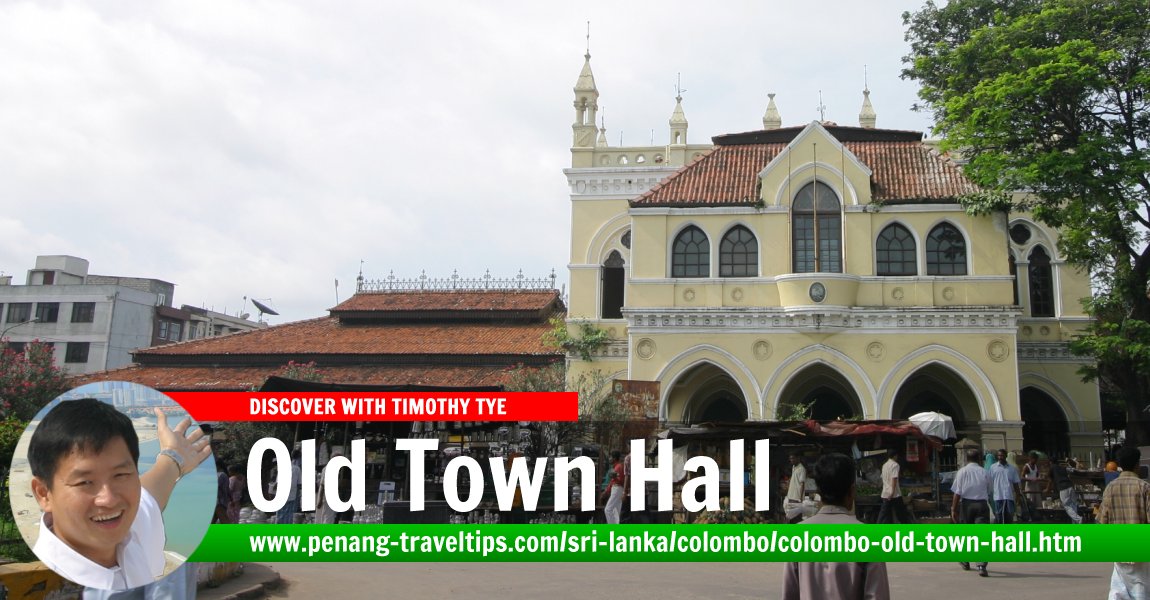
1041, 279
945, 251
1014, 277
895, 251
739, 253
611, 287
691, 254
816, 230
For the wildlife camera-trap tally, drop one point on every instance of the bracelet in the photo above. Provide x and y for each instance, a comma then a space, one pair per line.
176, 458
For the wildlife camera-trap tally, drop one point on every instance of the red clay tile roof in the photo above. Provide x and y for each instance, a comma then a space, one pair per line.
240, 379
328, 336
904, 170
450, 301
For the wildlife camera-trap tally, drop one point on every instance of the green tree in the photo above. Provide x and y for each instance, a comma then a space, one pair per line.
601, 416
28, 380
1051, 97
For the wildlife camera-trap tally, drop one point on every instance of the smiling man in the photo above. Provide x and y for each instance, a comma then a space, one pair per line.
102, 525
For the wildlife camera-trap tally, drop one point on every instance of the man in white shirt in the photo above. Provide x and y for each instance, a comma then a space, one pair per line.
102, 526
797, 488
971, 487
893, 506
1005, 482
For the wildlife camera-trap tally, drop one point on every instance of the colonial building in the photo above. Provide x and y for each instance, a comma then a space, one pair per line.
823, 267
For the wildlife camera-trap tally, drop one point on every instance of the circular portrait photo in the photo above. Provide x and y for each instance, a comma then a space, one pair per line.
113, 485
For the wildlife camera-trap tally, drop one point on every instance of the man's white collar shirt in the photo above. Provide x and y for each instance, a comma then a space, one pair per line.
140, 558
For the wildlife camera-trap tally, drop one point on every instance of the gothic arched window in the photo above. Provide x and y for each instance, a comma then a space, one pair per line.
739, 253
816, 230
945, 251
894, 251
1041, 279
691, 254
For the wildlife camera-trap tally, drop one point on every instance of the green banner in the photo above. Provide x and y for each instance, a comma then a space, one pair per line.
674, 543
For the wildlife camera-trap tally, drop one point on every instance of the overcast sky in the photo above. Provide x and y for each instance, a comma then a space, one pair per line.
265, 148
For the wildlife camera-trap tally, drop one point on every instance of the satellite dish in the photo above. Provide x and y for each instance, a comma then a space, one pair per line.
263, 308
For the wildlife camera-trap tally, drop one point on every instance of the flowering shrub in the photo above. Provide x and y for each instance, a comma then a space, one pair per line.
28, 380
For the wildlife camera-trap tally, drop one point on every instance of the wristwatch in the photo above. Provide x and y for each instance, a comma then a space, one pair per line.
175, 456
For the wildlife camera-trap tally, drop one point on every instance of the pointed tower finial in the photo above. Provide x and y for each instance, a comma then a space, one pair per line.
867, 116
586, 102
588, 53
771, 118
822, 108
678, 120
602, 141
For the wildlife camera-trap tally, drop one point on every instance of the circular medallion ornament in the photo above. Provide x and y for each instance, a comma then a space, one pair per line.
875, 350
997, 350
689, 294
737, 294
897, 294
645, 349
818, 292
1044, 330
762, 349
948, 294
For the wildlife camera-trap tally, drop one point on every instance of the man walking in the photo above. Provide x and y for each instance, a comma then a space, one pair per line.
1060, 480
1127, 501
970, 487
1006, 483
893, 506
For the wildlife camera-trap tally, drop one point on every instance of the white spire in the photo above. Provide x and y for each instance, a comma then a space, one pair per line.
771, 118
867, 116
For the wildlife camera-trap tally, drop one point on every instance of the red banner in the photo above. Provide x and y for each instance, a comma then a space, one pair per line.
386, 406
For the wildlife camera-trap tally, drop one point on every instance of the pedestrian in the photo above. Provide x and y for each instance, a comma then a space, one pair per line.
614, 507
971, 488
286, 514
223, 495
1126, 501
835, 475
1006, 483
893, 506
796, 490
1060, 480
237, 484
1034, 481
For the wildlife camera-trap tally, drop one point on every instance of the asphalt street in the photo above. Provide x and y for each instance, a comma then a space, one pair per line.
588, 581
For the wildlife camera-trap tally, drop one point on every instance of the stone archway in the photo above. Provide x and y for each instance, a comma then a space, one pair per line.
1045, 426
939, 389
827, 392
706, 393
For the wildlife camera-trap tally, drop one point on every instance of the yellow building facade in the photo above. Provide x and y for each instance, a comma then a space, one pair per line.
825, 268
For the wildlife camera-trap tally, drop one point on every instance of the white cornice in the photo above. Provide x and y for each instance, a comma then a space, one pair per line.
767, 280
806, 318
1047, 352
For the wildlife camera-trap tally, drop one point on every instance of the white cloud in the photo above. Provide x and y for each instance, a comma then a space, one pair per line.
263, 149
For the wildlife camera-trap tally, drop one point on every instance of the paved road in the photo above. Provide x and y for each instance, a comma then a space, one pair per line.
588, 581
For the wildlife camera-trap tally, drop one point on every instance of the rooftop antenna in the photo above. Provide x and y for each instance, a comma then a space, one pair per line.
822, 108
263, 308
337, 290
